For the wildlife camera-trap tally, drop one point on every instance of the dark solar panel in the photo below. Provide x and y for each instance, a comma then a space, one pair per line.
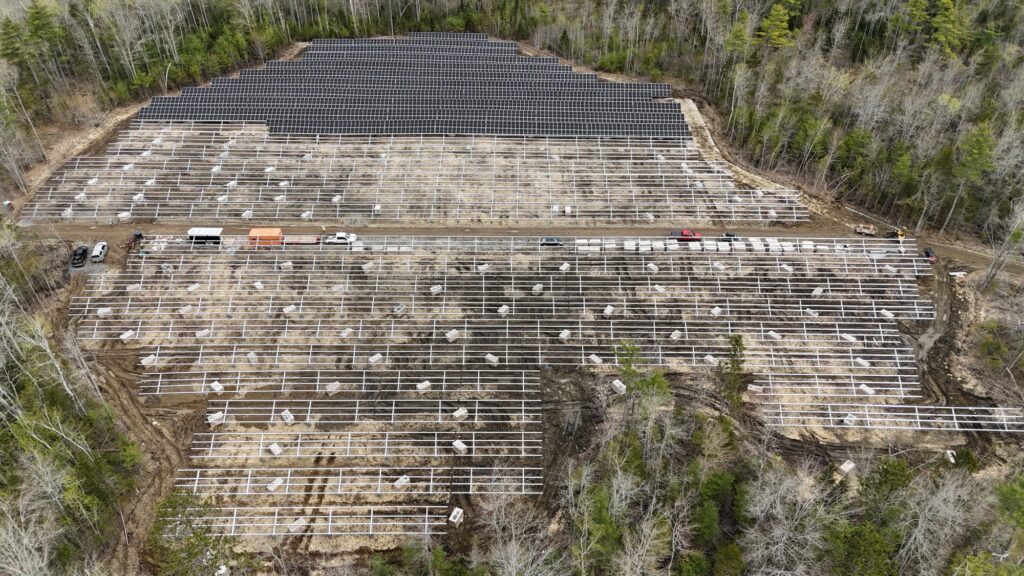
427, 83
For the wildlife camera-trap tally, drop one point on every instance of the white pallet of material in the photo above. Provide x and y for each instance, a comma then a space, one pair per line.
332, 388
274, 484
204, 333
818, 291
252, 358
127, 335
133, 287
675, 335
346, 333
215, 419
257, 285
595, 359
618, 386
811, 312
717, 311
436, 289
503, 310
538, 288
297, 525
847, 467
194, 287
862, 362
289, 308
375, 358
402, 482
659, 288
368, 266
848, 338
460, 447
565, 267
423, 387
456, 517
483, 268
564, 335
608, 311
709, 359
286, 265
786, 268
287, 417
756, 389
452, 335
460, 414
275, 449
866, 389
850, 419
491, 359
217, 387
774, 335
186, 309
886, 313
104, 312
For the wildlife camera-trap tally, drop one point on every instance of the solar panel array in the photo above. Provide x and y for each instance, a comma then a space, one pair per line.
427, 84
341, 377
239, 172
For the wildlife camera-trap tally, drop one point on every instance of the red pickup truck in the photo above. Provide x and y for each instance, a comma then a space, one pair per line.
686, 235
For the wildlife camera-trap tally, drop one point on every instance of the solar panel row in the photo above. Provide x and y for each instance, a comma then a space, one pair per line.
427, 83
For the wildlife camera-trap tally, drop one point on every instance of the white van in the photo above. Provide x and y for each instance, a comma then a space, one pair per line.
99, 252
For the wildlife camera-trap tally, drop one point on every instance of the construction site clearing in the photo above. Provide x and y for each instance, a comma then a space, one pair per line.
359, 389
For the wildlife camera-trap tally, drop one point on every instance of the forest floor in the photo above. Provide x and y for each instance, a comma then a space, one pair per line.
163, 431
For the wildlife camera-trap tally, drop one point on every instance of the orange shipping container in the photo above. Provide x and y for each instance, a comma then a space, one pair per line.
265, 237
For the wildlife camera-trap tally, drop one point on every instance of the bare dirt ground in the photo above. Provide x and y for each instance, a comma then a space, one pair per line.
163, 432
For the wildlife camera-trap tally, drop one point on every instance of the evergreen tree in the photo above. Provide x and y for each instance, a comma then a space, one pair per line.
774, 31
738, 42
948, 33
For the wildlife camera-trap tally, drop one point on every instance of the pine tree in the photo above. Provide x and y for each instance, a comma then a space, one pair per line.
737, 42
775, 32
948, 32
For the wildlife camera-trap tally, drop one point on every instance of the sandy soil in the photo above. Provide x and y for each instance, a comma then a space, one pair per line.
163, 432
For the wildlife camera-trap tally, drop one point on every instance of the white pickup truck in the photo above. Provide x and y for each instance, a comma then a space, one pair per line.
339, 238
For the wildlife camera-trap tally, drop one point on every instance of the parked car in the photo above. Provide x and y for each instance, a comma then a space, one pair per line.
866, 229
897, 234
928, 255
685, 235
78, 256
99, 252
728, 236
551, 241
339, 238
